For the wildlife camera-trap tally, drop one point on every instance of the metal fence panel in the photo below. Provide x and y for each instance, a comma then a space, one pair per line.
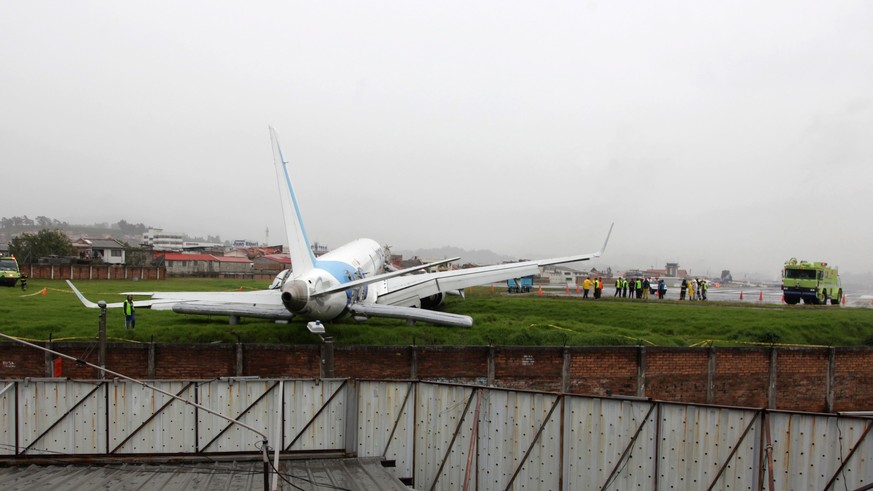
142, 420
310, 421
519, 441
600, 449
252, 402
808, 450
697, 441
386, 424
443, 434
62, 417
8, 411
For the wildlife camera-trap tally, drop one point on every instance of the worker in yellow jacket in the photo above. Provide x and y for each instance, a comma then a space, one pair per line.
586, 286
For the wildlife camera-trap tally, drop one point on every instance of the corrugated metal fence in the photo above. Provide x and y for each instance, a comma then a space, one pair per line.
448, 437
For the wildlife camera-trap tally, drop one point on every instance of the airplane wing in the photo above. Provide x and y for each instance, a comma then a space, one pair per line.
381, 277
406, 290
263, 304
411, 314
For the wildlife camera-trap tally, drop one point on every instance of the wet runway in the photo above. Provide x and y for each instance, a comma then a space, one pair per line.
734, 293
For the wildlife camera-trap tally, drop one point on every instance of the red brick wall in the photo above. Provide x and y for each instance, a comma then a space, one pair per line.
467, 364
603, 371
805, 371
677, 374
372, 362
279, 361
740, 376
179, 361
92, 272
534, 368
853, 379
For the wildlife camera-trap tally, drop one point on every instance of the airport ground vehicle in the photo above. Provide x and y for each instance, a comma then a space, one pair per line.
519, 285
812, 282
9, 272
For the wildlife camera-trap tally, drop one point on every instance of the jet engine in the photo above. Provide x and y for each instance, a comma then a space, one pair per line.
295, 295
433, 301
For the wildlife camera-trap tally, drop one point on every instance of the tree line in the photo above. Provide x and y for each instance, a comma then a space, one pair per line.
42, 222
24, 221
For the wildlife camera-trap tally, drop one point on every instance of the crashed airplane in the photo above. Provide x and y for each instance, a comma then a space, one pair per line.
353, 280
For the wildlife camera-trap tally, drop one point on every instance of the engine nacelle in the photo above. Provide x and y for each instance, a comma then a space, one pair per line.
295, 295
433, 301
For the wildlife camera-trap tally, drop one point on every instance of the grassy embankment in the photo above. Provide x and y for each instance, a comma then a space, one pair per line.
499, 319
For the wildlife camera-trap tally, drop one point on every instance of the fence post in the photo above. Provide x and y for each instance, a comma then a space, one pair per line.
101, 336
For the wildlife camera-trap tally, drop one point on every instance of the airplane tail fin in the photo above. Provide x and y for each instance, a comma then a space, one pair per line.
302, 257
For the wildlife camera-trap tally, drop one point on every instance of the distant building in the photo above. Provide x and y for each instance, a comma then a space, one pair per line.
110, 251
159, 240
272, 263
206, 247
559, 275
319, 249
205, 264
242, 244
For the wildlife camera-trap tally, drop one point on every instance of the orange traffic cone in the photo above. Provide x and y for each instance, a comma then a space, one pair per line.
741, 295
844, 300
783, 298
577, 288
44, 291
761, 296
567, 288
540, 292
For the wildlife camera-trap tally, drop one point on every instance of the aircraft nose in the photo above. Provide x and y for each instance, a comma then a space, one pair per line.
295, 295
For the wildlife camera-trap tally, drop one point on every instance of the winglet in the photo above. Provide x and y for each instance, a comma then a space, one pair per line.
85, 301
607, 239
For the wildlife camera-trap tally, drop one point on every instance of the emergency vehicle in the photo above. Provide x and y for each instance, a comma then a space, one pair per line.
9, 272
813, 282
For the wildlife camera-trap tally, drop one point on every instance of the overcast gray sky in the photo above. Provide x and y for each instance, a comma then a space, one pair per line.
720, 135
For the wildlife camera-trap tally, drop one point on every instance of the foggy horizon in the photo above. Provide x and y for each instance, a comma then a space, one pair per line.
719, 136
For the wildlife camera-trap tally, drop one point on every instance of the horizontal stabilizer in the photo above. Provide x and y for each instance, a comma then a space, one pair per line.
116, 305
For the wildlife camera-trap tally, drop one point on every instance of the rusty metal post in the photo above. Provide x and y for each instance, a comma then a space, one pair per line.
327, 367
101, 340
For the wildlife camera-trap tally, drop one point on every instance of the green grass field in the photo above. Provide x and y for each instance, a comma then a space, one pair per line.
499, 319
